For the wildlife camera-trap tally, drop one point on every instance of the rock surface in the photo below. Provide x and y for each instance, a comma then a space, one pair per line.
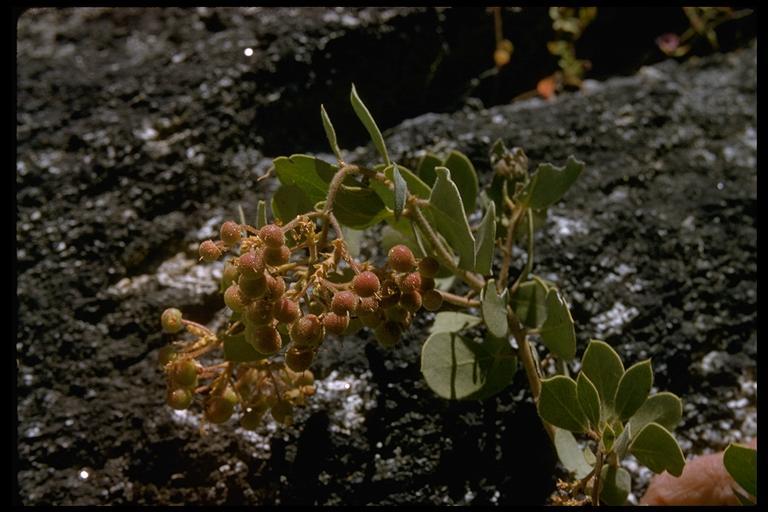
133, 147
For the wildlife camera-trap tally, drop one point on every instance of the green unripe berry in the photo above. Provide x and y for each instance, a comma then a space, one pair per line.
251, 264
388, 333
286, 311
230, 233
298, 360
229, 395
218, 409
307, 331
366, 283
428, 267
272, 235
252, 287
432, 300
353, 328
410, 282
171, 320
277, 256
411, 301
344, 302
260, 312
282, 412
371, 319
179, 399
336, 324
184, 373
230, 274
307, 378
166, 354
397, 313
234, 299
251, 419
209, 251
401, 258
316, 307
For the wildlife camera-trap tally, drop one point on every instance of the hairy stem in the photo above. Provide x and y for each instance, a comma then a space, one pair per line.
517, 212
596, 483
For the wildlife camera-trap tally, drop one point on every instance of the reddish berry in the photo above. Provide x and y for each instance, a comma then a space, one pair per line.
307, 331
388, 333
277, 256
230, 274
260, 312
209, 251
171, 320
366, 283
265, 339
282, 412
180, 399
367, 305
286, 311
344, 302
410, 282
411, 301
275, 286
251, 264
336, 324
428, 267
401, 258
252, 287
234, 299
184, 373
427, 283
298, 359
272, 235
230, 233
432, 300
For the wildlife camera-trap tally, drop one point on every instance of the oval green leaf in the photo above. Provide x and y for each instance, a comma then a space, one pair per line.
588, 399
559, 404
457, 368
289, 201
557, 332
741, 463
453, 321
604, 368
550, 183
486, 240
261, 214
571, 454
633, 389
494, 309
401, 191
615, 485
330, 133
655, 447
664, 408
450, 220
464, 175
529, 303
367, 119
426, 168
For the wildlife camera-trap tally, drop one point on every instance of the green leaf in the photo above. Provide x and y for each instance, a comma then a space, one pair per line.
608, 437
242, 214
604, 368
330, 133
550, 183
426, 168
557, 332
615, 485
358, 208
353, 239
588, 399
261, 214
664, 408
401, 191
486, 240
289, 201
457, 368
741, 463
559, 405
365, 117
306, 172
494, 309
415, 186
570, 454
622, 442
529, 303
453, 321
450, 221
655, 447
633, 389
464, 175
238, 350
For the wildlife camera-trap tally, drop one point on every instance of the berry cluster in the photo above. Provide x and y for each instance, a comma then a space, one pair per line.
287, 295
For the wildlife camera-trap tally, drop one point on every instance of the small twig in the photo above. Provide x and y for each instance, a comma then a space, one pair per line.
458, 300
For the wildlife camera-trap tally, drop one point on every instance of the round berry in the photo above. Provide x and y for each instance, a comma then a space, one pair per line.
298, 359
427, 283
230, 274
371, 319
275, 286
260, 312
307, 378
388, 333
230, 233
251, 264
428, 267
234, 299
252, 287
411, 301
397, 313
432, 300
265, 339
282, 412
367, 305
344, 302
336, 324
410, 282
272, 235
171, 320
353, 327
277, 256
180, 399
366, 283
166, 354
390, 295
307, 331
184, 373
286, 311
209, 251
401, 258
251, 419
218, 409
